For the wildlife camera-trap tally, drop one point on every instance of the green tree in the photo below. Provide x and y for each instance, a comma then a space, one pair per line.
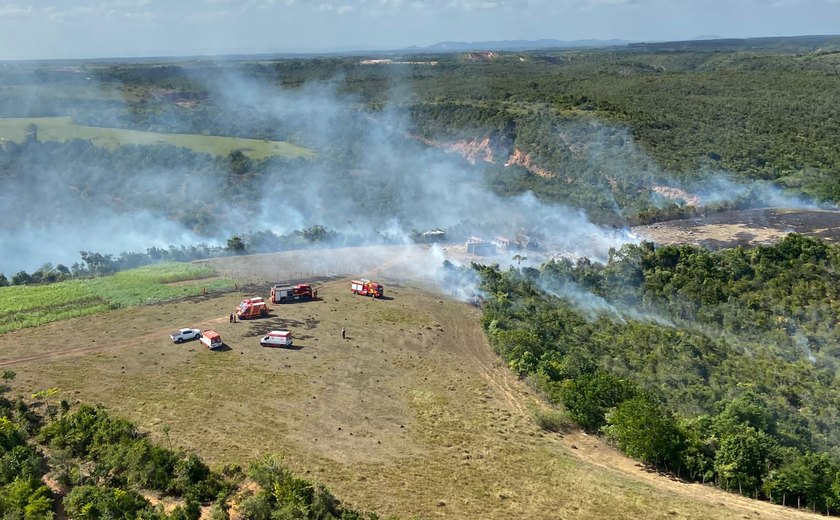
31, 133
21, 278
746, 411
804, 480
744, 459
589, 397
316, 233
235, 245
94, 503
26, 498
644, 430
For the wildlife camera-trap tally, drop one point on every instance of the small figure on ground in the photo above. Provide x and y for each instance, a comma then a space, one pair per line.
343, 333
230, 318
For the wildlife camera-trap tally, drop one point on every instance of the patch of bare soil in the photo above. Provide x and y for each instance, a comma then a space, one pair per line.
677, 194
412, 414
744, 228
472, 150
524, 160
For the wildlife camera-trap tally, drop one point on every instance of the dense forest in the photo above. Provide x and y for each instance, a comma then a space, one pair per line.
101, 466
607, 124
720, 367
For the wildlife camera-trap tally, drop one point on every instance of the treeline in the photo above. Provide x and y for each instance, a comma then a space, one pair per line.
718, 367
99, 264
101, 466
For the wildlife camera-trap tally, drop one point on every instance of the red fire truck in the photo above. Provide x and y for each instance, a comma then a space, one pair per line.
292, 293
365, 287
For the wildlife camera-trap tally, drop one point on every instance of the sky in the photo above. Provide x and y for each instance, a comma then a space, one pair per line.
53, 29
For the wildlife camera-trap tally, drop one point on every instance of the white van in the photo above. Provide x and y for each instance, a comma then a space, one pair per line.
277, 338
211, 339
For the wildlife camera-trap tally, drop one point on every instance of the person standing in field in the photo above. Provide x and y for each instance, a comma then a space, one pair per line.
343, 333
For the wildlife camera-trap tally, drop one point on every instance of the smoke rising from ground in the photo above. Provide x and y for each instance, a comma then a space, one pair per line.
386, 185
369, 183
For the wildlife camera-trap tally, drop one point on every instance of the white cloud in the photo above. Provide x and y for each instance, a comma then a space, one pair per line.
8, 11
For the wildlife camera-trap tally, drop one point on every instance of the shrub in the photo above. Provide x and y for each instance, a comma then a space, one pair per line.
554, 420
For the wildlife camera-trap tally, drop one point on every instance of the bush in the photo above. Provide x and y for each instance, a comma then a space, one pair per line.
91, 502
644, 430
589, 397
554, 420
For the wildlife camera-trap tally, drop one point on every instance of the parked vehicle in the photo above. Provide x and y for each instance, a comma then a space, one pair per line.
365, 287
182, 335
277, 338
291, 293
211, 339
252, 308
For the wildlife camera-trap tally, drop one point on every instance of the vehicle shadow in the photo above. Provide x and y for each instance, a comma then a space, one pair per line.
223, 348
261, 326
290, 347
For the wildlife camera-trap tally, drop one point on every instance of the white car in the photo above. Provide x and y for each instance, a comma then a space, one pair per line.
181, 335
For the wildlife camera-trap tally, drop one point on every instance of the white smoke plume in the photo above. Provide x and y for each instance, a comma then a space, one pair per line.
377, 186
593, 306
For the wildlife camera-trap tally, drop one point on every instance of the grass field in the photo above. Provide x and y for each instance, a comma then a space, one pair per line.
64, 129
29, 306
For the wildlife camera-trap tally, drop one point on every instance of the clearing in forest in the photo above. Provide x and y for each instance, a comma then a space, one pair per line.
64, 129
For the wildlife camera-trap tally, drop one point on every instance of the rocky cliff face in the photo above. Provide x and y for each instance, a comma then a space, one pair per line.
472, 150
481, 149
524, 160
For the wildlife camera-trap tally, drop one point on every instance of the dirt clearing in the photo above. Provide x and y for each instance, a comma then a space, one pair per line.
743, 228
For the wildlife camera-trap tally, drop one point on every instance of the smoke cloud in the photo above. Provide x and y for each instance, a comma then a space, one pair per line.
368, 182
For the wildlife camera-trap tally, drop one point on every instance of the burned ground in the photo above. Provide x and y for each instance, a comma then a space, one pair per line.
743, 228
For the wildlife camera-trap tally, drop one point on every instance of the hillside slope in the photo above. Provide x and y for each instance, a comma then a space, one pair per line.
411, 415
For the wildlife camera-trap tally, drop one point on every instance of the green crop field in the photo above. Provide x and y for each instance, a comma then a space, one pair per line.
64, 129
28, 306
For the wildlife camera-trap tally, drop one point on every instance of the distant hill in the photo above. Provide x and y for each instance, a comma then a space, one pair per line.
808, 43
517, 45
